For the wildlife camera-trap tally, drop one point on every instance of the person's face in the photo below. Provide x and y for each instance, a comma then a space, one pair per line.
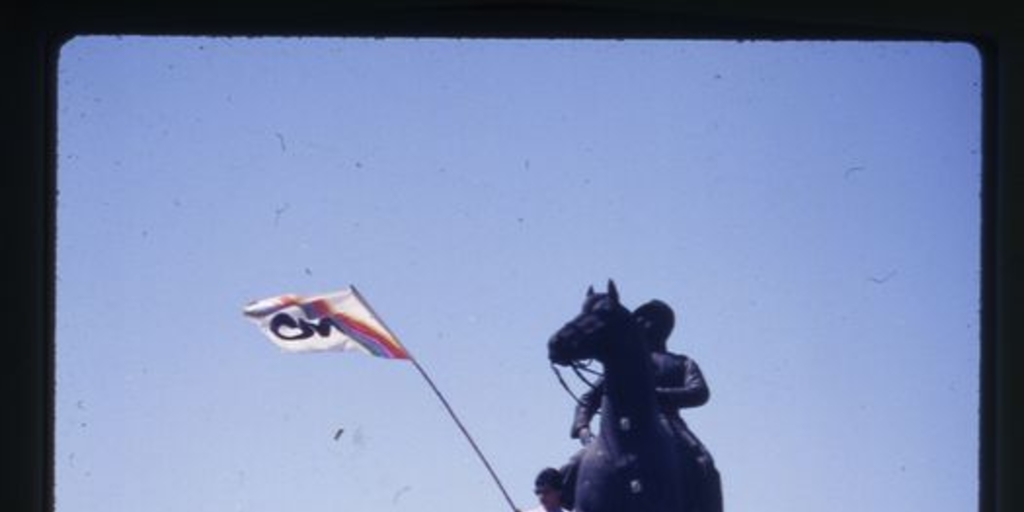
645, 323
550, 498
653, 331
648, 325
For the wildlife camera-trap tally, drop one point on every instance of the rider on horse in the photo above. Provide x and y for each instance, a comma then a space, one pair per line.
679, 384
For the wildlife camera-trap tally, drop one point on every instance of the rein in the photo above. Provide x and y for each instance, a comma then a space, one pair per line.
578, 368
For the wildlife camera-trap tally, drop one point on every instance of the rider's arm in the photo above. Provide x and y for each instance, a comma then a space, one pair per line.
693, 392
590, 402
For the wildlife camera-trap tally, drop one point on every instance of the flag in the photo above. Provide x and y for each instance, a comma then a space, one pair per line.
339, 321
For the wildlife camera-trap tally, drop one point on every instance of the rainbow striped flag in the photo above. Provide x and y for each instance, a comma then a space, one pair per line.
339, 321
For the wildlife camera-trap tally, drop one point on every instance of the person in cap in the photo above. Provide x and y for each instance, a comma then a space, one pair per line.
679, 384
548, 488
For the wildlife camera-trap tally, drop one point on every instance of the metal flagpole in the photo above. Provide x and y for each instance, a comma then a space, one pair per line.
441, 397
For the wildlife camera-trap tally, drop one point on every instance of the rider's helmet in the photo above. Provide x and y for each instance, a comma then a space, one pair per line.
657, 319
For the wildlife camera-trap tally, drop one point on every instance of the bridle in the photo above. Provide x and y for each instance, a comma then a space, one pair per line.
584, 366
579, 368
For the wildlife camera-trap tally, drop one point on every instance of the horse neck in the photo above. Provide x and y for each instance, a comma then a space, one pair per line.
628, 383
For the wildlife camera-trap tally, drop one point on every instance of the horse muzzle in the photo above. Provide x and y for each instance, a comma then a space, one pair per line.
557, 351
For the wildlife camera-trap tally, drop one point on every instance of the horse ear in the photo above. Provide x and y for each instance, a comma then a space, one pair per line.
613, 292
590, 292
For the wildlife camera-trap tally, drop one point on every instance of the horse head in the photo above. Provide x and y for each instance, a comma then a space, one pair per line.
590, 334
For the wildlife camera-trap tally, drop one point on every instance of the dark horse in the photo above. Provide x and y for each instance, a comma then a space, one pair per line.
633, 465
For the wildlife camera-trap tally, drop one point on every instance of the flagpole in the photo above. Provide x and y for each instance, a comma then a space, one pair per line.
441, 397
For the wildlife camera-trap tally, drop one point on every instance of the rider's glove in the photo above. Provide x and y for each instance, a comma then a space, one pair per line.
586, 436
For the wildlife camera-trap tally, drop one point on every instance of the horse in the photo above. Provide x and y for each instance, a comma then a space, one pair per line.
633, 464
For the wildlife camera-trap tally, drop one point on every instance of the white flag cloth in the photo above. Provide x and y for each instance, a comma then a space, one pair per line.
339, 321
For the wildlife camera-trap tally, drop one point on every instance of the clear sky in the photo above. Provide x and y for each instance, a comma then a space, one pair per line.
811, 210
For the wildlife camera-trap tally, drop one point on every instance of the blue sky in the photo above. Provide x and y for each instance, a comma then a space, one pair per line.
811, 210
